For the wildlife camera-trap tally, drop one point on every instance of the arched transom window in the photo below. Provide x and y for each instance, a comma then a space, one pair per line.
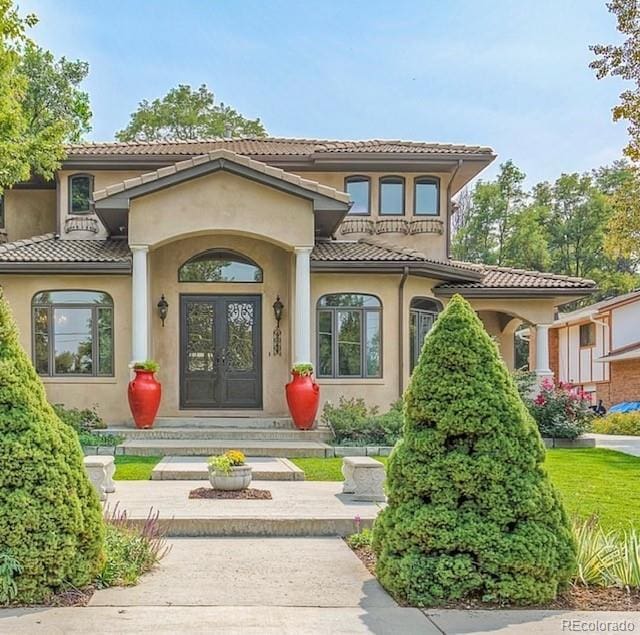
73, 333
219, 266
349, 335
422, 315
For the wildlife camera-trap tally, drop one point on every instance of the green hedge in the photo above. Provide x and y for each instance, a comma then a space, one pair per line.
50, 517
618, 423
471, 511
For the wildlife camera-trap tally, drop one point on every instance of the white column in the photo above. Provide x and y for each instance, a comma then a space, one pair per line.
302, 333
139, 304
542, 351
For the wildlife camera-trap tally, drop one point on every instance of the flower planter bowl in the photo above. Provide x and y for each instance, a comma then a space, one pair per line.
144, 395
239, 478
303, 399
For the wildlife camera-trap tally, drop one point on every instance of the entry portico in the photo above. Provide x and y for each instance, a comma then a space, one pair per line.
220, 203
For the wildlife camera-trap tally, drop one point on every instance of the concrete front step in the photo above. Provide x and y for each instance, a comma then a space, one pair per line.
216, 433
208, 447
264, 423
194, 468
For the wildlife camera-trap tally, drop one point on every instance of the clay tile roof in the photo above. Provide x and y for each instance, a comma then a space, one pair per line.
367, 250
272, 146
226, 154
509, 278
48, 248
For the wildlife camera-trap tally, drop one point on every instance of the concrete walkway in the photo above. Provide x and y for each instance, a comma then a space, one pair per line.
619, 442
294, 586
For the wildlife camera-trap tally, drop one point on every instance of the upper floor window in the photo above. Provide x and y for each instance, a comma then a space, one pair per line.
588, 334
80, 188
359, 189
426, 200
219, 266
422, 315
349, 335
392, 195
73, 333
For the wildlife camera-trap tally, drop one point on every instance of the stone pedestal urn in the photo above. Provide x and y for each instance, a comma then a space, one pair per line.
238, 478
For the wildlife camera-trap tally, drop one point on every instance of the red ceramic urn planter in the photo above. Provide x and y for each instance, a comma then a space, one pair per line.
144, 397
303, 399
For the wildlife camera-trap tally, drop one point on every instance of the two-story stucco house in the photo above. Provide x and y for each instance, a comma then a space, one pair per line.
598, 348
352, 237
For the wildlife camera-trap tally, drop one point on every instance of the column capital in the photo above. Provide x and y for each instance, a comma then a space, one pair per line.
303, 250
143, 248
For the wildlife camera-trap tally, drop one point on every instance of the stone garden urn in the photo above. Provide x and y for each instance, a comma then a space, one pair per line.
239, 477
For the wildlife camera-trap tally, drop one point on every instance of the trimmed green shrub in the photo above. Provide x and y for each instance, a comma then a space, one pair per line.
50, 516
618, 423
471, 511
354, 423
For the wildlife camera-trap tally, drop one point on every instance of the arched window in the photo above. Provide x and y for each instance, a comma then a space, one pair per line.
218, 265
422, 315
426, 196
359, 189
392, 196
73, 333
349, 335
80, 189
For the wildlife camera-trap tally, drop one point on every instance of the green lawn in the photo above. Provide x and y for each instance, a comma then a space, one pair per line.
590, 481
135, 468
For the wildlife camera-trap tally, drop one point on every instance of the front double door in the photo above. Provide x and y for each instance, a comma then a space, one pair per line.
220, 359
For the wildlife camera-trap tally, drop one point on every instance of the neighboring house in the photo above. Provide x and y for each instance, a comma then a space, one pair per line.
352, 237
598, 348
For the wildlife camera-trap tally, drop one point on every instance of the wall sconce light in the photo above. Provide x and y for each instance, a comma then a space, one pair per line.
163, 309
278, 308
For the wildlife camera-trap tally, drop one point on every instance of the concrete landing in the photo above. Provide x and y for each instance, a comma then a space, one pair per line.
297, 508
193, 468
208, 447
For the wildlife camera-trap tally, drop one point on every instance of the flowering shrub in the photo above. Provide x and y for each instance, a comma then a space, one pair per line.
561, 410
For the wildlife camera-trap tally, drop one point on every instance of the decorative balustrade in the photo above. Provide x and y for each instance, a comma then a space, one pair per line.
426, 226
80, 224
392, 226
358, 226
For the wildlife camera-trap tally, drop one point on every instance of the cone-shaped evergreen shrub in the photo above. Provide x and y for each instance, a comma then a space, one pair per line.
50, 516
471, 513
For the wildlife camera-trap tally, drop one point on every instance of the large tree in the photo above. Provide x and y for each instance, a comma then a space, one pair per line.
184, 113
471, 511
623, 60
41, 104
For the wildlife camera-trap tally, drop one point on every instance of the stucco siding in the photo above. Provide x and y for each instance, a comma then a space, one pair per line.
29, 213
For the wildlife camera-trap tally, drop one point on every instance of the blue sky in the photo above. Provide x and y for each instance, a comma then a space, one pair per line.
512, 74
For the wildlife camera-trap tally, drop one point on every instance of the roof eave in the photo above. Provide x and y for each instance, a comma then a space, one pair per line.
516, 292
66, 267
422, 269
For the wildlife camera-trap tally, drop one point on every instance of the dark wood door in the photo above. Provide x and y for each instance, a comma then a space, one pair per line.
220, 351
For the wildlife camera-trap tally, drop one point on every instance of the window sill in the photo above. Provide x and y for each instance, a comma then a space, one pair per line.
351, 381
79, 380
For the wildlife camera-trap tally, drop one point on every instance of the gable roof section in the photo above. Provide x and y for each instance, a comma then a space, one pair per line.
329, 205
217, 160
48, 254
586, 312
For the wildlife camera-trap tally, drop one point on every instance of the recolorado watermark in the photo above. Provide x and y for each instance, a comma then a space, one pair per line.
597, 626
